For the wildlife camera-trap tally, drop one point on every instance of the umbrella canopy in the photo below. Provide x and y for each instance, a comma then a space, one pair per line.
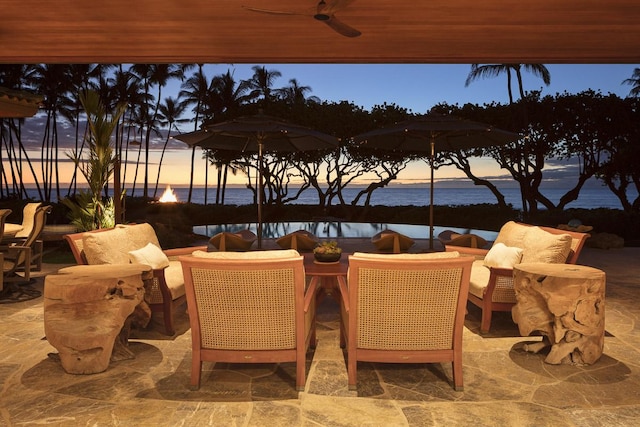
259, 134
433, 133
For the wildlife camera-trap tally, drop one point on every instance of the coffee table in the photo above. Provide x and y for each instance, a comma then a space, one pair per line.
331, 276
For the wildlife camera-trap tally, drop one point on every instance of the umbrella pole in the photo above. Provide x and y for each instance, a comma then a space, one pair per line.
259, 194
433, 143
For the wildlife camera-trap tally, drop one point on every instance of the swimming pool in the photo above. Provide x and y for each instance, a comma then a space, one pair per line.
336, 229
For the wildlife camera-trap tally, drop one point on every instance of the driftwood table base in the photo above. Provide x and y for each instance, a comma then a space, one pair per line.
88, 311
565, 303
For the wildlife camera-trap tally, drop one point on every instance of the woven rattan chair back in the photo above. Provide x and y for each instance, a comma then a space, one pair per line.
406, 311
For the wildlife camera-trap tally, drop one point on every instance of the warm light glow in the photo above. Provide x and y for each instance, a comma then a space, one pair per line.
168, 196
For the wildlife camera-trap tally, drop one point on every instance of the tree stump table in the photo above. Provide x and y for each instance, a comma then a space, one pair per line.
89, 310
565, 303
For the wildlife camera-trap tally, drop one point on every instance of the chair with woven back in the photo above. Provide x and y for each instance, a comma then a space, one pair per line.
21, 253
249, 307
405, 308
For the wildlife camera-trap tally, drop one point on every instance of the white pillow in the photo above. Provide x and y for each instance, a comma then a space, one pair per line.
502, 256
150, 255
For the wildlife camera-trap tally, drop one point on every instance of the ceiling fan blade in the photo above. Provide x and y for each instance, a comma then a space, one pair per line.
270, 12
341, 28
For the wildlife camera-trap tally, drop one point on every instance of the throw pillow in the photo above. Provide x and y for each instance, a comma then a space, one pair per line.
150, 255
503, 256
542, 246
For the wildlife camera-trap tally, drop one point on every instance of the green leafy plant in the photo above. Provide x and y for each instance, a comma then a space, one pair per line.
327, 247
90, 210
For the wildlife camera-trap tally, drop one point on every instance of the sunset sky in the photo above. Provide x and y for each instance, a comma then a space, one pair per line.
415, 87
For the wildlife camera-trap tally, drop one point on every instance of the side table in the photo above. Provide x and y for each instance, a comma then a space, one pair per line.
329, 275
564, 302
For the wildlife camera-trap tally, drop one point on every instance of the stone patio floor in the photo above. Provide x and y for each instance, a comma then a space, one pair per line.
503, 385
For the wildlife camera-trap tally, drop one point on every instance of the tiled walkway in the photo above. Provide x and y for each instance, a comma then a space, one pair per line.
503, 384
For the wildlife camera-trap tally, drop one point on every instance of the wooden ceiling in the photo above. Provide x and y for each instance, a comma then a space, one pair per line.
393, 31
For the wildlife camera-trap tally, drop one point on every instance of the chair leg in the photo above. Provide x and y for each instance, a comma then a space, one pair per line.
301, 360
352, 374
485, 324
196, 370
457, 371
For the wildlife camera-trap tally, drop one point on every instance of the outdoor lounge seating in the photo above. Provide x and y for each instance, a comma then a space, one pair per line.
406, 308
249, 308
139, 244
449, 237
300, 240
491, 286
239, 241
392, 241
21, 253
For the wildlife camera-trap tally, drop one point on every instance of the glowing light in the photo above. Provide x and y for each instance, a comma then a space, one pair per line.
168, 196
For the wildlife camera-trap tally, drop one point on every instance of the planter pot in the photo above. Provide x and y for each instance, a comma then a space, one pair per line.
332, 257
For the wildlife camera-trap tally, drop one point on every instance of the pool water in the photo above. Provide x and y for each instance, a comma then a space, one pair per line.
336, 229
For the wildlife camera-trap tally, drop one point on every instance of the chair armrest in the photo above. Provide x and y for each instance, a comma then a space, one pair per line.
183, 251
478, 253
344, 292
310, 292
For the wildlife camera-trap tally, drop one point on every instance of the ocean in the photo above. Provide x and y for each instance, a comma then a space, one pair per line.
398, 195
590, 198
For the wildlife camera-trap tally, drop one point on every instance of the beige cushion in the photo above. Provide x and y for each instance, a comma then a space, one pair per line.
150, 255
541, 246
512, 234
174, 278
503, 256
113, 246
273, 254
416, 257
479, 278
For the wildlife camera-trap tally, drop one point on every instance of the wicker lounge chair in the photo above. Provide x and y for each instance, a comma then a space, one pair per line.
239, 241
406, 308
249, 308
392, 241
300, 240
491, 286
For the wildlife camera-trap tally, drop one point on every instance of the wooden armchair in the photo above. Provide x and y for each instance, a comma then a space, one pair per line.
406, 308
249, 308
491, 286
21, 253
117, 246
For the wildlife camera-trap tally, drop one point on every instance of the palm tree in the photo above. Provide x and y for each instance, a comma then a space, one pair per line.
294, 94
153, 74
262, 81
493, 70
169, 114
194, 91
635, 82
55, 84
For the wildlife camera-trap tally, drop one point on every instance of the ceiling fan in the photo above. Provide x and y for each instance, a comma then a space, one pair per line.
324, 12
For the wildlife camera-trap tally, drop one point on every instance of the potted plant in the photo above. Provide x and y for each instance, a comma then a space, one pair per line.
327, 251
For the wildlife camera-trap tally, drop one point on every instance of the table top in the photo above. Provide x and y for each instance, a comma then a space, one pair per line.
558, 270
313, 268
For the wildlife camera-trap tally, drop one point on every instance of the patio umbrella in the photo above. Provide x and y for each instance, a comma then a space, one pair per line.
433, 133
259, 134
